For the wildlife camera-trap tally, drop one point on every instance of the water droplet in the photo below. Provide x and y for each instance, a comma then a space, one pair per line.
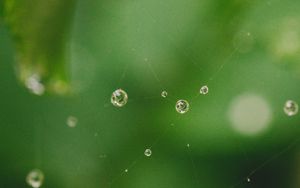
119, 98
148, 152
35, 178
72, 121
164, 94
126, 170
291, 108
188, 145
182, 106
33, 83
204, 90
248, 180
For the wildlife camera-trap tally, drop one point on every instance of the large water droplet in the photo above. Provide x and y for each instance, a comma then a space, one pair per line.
182, 106
204, 90
35, 178
119, 98
148, 152
290, 108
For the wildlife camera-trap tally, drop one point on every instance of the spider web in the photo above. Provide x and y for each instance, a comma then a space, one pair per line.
247, 177
173, 146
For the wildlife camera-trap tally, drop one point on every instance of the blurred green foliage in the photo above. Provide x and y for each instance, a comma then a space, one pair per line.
33, 24
237, 48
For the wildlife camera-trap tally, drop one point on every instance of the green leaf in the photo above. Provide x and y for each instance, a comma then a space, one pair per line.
40, 30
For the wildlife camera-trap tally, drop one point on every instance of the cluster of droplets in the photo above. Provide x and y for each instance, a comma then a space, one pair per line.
35, 178
119, 98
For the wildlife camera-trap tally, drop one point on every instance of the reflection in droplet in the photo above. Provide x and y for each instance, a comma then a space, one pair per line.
204, 90
33, 83
250, 114
72, 121
119, 98
291, 108
35, 178
182, 106
148, 152
164, 94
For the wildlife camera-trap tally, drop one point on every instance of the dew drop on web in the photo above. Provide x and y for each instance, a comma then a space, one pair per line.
290, 108
204, 90
148, 152
119, 98
35, 178
182, 106
164, 94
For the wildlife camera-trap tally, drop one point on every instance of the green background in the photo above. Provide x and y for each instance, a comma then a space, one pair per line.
145, 47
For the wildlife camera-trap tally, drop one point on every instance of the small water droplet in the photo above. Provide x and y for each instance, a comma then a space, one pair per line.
72, 121
148, 152
290, 108
126, 170
182, 106
33, 83
188, 145
204, 90
35, 178
164, 94
119, 98
248, 180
